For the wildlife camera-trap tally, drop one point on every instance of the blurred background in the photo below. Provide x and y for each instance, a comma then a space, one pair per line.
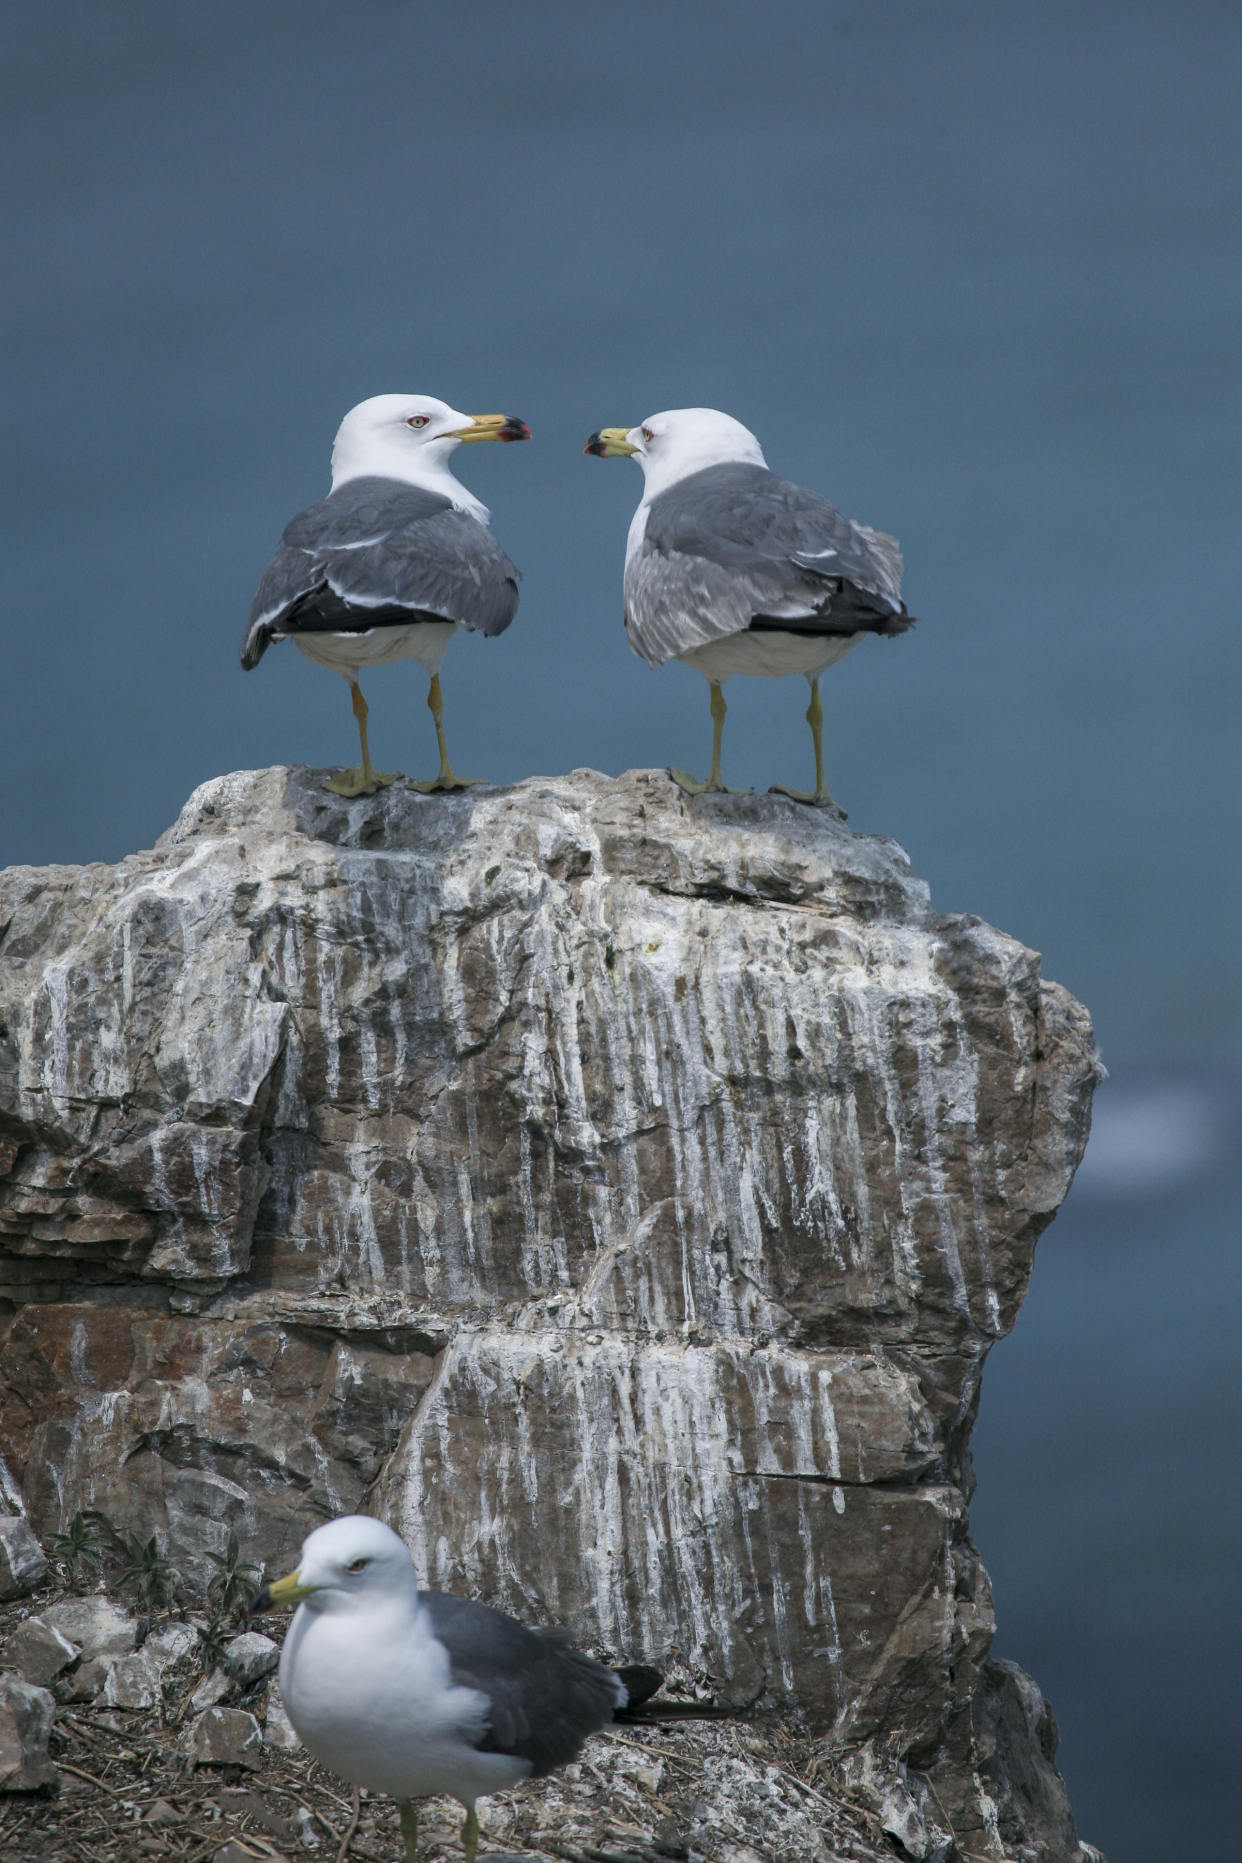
972, 271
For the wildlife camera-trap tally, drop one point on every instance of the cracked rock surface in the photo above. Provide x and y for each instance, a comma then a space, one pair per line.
618, 1193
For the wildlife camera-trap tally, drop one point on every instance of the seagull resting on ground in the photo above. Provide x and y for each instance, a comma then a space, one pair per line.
415, 1693
734, 570
395, 559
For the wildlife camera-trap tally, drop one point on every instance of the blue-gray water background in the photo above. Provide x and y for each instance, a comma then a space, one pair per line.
972, 270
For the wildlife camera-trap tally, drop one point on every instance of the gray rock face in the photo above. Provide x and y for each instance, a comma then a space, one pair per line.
225, 1737
22, 1559
96, 1624
617, 1193
37, 1652
26, 1716
250, 1656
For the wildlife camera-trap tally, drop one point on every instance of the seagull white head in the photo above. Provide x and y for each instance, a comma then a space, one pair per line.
672, 445
410, 437
345, 1566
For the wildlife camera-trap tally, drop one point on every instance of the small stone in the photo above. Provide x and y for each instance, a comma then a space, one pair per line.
85, 1683
161, 1812
225, 1737
307, 1833
278, 1730
99, 1626
132, 1682
213, 1688
26, 1715
171, 1645
22, 1560
37, 1652
233, 1852
250, 1656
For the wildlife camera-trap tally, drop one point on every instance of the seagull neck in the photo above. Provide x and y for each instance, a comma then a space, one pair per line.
429, 472
662, 474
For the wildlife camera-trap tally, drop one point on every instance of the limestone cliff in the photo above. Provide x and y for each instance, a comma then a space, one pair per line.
620, 1194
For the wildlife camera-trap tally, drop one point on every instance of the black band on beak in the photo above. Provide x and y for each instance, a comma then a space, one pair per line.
595, 445
262, 1603
514, 429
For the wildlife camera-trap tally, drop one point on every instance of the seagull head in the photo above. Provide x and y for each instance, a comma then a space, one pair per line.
411, 437
672, 445
350, 1563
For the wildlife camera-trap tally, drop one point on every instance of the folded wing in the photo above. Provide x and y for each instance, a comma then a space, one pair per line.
378, 553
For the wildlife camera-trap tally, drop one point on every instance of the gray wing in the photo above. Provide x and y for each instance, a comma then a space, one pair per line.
379, 553
736, 547
544, 1696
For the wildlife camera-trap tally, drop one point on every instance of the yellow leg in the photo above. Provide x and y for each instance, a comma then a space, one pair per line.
470, 1835
446, 778
409, 1828
364, 781
818, 797
713, 783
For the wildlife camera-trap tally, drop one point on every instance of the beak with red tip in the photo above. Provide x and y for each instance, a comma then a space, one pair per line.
610, 443
492, 427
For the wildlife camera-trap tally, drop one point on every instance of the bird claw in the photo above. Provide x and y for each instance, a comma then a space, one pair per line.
356, 782
814, 798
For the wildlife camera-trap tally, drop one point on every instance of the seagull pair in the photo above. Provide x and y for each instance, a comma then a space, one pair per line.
728, 567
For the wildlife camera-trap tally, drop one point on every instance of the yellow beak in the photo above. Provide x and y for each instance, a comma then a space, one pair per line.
493, 427
286, 1590
610, 443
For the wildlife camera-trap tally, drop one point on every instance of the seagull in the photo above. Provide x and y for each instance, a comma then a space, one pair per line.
734, 570
394, 560
415, 1693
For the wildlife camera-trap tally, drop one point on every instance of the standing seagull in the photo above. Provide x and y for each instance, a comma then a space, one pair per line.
733, 570
414, 1693
396, 558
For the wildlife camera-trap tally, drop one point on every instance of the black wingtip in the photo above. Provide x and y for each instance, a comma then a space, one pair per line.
640, 1682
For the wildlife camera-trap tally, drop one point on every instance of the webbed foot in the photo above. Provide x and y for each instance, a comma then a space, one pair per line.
359, 782
814, 798
693, 787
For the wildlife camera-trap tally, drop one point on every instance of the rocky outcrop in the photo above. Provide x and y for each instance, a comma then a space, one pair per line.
620, 1194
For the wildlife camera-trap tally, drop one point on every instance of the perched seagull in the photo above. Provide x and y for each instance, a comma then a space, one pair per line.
414, 1693
734, 570
396, 558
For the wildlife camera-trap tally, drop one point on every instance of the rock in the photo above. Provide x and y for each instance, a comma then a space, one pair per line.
278, 1730
215, 1687
37, 1652
97, 1625
250, 1656
132, 1682
26, 1715
618, 1193
233, 1852
171, 1645
23, 1561
86, 1682
163, 1814
225, 1737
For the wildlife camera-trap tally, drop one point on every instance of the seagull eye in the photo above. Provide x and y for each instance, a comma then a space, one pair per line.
415, 420
647, 434
360, 1565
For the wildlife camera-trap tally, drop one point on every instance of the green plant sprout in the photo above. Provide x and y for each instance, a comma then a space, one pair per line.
152, 1575
81, 1549
230, 1588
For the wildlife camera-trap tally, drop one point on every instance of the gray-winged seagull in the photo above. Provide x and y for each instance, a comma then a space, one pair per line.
395, 559
735, 570
415, 1693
